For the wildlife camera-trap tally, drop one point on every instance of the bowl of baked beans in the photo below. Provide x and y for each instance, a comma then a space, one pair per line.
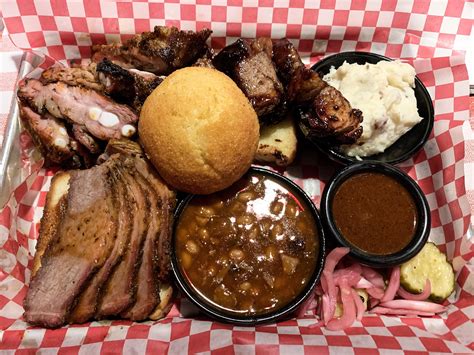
249, 254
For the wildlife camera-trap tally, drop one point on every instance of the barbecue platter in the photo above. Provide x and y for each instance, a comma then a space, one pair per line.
105, 238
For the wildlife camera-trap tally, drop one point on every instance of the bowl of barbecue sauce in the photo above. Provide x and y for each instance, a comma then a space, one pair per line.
249, 254
377, 211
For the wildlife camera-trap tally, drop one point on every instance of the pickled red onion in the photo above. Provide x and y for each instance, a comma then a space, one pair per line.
331, 261
309, 304
416, 297
340, 281
372, 290
400, 312
350, 276
421, 306
349, 315
326, 308
364, 283
360, 306
375, 292
393, 285
373, 276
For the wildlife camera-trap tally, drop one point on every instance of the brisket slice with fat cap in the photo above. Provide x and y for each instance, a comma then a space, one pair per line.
90, 220
155, 265
86, 306
147, 295
120, 290
127, 147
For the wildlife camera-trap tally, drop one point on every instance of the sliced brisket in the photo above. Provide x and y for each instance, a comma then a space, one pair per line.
168, 198
88, 300
120, 290
90, 220
147, 295
104, 243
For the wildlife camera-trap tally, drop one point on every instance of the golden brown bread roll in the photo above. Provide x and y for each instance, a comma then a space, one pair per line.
199, 130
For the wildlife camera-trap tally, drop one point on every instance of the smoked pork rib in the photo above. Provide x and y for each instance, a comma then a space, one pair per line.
102, 117
87, 303
84, 75
90, 220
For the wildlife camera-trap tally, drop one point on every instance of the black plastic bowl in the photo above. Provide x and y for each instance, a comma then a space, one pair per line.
424, 219
408, 144
207, 308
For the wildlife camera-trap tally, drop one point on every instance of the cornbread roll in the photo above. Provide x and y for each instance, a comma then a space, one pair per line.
199, 130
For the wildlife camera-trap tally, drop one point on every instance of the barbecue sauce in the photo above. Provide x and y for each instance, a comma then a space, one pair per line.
375, 213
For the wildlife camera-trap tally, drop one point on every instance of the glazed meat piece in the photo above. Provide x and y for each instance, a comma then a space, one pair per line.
302, 84
287, 60
322, 108
100, 116
305, 86
249, 64
331, 116
90, 220
129, 86
161, 51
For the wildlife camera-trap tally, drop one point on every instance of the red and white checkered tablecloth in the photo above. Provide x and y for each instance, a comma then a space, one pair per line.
431, 35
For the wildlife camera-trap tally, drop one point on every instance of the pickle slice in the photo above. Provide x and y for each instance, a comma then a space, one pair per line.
430, 263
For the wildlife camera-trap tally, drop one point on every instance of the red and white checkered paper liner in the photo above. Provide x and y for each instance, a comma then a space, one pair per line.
65, 30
